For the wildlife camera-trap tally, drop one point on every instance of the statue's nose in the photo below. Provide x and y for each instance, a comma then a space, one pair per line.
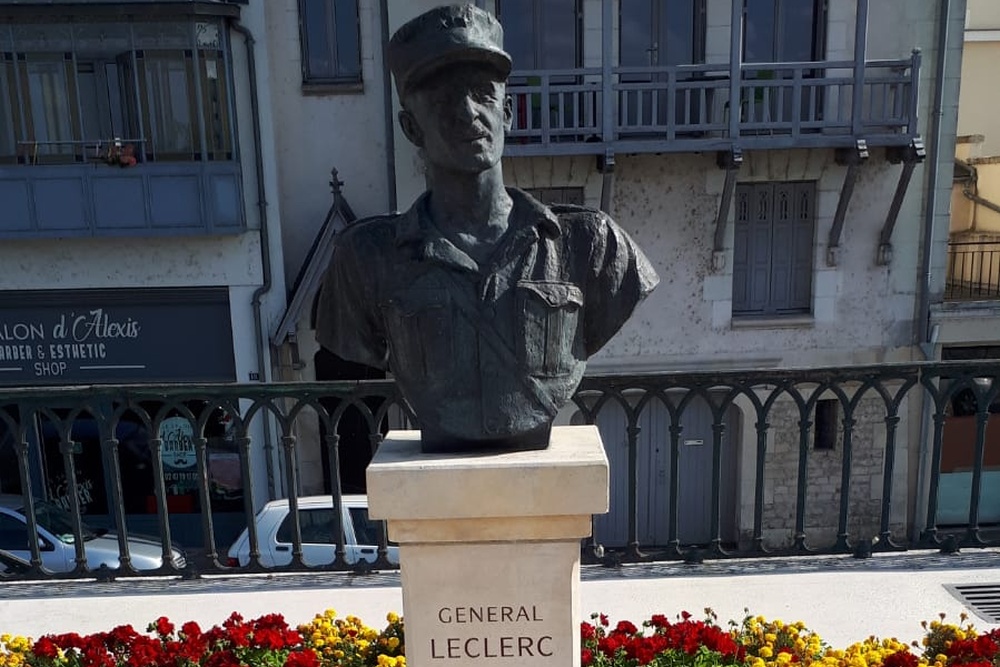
465, 108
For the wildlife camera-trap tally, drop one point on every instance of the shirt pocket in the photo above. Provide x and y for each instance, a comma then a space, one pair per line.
550, 315
418, 326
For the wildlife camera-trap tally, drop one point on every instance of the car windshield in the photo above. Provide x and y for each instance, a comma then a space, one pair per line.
59, 522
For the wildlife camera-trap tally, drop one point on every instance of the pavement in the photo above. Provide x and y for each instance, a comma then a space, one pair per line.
842, 598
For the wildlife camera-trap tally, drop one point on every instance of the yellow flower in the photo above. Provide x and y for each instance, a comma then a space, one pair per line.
392, 617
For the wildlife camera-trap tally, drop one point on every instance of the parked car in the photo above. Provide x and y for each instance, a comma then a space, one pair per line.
274, 533
55, 533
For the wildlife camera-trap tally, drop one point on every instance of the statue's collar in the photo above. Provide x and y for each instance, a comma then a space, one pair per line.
415, 226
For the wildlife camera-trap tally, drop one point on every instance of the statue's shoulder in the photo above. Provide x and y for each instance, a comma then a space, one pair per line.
581, 219
374, 229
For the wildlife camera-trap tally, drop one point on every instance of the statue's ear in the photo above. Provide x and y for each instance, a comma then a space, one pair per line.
508, 113
410, 128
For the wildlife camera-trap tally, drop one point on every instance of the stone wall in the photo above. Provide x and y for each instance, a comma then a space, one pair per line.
824, 478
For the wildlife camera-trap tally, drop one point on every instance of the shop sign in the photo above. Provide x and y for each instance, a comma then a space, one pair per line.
119, 336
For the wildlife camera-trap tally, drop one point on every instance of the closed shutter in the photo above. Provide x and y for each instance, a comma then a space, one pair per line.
773, 248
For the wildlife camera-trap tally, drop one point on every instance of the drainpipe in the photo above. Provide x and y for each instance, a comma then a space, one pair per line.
933, 177
390, 137
926, 337
265, 244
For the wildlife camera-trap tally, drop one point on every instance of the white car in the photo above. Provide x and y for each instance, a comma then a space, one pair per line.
55, 534
274, 533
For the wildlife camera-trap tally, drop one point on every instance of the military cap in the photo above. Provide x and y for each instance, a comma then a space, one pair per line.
444, 36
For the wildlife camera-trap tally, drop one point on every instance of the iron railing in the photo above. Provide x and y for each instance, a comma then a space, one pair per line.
697, 107
973, 271
722, 464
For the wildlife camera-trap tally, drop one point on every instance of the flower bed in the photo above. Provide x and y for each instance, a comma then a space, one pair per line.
328, 641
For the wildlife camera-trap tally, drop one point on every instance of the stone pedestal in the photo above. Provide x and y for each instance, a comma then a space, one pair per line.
489, 546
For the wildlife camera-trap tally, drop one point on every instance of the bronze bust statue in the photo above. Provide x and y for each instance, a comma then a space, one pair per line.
482, 302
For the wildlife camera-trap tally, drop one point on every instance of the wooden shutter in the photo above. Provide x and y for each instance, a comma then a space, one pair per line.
773, 248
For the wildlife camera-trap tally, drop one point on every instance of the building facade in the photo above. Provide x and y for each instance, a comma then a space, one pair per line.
140, 228
165, 169
770, 157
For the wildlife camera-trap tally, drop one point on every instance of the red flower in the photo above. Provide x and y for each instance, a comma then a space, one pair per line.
587, 631
268, 638
625, 627
304, 658
603, 619
45, 648
901, 659
164, 627
586, 657
659, 621
191, 630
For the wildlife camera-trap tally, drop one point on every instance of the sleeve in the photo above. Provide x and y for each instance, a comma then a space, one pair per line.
347, 318
620, 277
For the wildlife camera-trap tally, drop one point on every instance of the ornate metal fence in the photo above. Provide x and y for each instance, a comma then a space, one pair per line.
741, 463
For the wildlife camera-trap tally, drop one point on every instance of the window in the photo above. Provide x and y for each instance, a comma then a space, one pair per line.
773, 248
10, 468
541, 34
825, 424
13, 534
366, 529
92, 92
661, 33
331, 46
316, 526
783, 30
654, 32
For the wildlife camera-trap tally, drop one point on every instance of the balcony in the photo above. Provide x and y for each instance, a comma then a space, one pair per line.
973, 270
828, 104
118, 127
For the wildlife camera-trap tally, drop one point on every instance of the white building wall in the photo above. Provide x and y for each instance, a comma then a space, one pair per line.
316, 131
203, 261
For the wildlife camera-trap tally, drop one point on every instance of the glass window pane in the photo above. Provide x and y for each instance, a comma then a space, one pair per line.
348, 49
13, 534
797, 20
676, 33
170, 130
558, 47
8, 99
101, 39
519, 35
758, 38
215, 104
532, 47
316, 526
163, 35
10, 476
636, 34
49, 105
318, 52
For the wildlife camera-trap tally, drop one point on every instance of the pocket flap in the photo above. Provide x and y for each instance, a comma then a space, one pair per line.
555, 294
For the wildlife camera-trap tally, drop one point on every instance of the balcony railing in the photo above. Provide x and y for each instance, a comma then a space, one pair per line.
726, 464
697, 107
973, 271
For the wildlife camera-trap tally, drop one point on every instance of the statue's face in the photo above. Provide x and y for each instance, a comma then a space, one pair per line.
458, 117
